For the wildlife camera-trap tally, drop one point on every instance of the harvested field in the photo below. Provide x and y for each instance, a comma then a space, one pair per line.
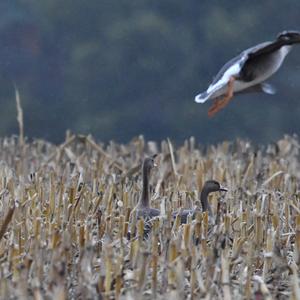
65, 217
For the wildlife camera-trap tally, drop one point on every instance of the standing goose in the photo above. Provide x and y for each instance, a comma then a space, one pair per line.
143, 208
210, 186
247, 72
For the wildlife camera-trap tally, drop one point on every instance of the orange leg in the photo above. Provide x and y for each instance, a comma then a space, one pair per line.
221, 102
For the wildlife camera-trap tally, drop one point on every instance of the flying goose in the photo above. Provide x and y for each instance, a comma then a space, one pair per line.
248, 71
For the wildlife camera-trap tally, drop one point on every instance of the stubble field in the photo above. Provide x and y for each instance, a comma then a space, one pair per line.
65, 217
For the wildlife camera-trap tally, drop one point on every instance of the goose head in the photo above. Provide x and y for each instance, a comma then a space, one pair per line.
213, 186
289, 37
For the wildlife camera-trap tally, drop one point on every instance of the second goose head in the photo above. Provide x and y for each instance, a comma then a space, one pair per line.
210, 186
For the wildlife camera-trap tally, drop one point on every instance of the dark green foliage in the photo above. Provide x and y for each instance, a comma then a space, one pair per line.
119, 68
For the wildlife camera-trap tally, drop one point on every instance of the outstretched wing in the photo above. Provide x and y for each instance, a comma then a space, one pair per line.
258, 60
248, 54
263, 48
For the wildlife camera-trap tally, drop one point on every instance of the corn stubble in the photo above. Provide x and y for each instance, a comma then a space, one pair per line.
68, 228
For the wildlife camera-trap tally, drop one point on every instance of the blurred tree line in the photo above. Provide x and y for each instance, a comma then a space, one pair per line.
121, 68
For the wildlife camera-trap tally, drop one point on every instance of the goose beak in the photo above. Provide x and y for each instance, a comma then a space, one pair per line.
223, 189
296, 36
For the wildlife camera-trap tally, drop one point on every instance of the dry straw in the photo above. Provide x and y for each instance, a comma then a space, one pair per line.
66, 211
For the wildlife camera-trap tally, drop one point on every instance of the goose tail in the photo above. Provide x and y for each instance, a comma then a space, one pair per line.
201, 98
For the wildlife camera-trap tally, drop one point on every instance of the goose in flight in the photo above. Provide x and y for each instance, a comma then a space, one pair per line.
248, 71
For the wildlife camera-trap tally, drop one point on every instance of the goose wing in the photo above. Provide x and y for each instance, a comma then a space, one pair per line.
244, 57
263, 48
259, 62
